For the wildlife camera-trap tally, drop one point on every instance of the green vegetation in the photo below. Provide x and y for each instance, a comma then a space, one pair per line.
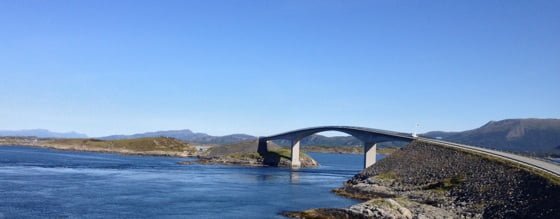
385, 203
285, 153
335, 149
242, 156
276, 152
390, 175
447, 184
387, 151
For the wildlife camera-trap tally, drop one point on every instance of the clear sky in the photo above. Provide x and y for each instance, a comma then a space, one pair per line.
262, 67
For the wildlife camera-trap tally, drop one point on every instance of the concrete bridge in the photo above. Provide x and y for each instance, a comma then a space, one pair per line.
371, 137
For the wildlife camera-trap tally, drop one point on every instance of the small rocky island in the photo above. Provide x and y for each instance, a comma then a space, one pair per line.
424, 180
246, 153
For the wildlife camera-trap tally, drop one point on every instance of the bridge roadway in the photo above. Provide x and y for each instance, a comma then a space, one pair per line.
370, 137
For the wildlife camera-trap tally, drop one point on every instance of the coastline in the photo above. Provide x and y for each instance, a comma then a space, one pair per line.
277, 157
146, 146
130, 153
427, 181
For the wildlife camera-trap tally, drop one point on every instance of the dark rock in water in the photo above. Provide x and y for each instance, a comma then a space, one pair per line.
324, 213
186, 162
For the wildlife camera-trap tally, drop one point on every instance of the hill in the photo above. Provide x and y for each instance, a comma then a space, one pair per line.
540, 136
41, 133
142, 146
188, 136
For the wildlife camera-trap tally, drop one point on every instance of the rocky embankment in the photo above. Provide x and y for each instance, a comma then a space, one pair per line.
246, 154
430, 181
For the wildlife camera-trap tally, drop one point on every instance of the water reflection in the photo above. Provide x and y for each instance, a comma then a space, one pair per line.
294, 176
265, 177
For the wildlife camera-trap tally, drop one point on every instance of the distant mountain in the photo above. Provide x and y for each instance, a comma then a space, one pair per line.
522, 135
42, 133
188, 136
203, 138
184, 134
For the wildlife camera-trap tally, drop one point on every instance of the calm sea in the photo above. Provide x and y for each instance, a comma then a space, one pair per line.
45, 183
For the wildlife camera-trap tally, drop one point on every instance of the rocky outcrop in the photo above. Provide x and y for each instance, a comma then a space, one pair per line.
255, 159
433, 181
247, 154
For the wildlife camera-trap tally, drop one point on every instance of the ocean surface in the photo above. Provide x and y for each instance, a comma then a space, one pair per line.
47, 183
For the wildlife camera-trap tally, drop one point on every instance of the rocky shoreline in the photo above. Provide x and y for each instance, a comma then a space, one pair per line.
430, 181
158, 147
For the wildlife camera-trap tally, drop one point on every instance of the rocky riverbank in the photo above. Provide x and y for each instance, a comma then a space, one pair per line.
430, 181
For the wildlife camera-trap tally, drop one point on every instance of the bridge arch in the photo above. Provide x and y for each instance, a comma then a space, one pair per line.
369, 138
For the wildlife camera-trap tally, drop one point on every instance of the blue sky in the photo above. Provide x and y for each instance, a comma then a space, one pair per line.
262, 67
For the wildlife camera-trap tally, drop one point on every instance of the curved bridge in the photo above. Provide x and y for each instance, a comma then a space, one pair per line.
369, 138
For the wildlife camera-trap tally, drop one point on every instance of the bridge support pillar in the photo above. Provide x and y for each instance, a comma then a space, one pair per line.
370, 151
262, 147
295, 154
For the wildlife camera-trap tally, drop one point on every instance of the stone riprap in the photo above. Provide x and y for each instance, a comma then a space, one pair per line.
434, 181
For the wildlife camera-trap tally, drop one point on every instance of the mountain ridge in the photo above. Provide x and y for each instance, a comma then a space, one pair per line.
520, 135
41, 133
186, 135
